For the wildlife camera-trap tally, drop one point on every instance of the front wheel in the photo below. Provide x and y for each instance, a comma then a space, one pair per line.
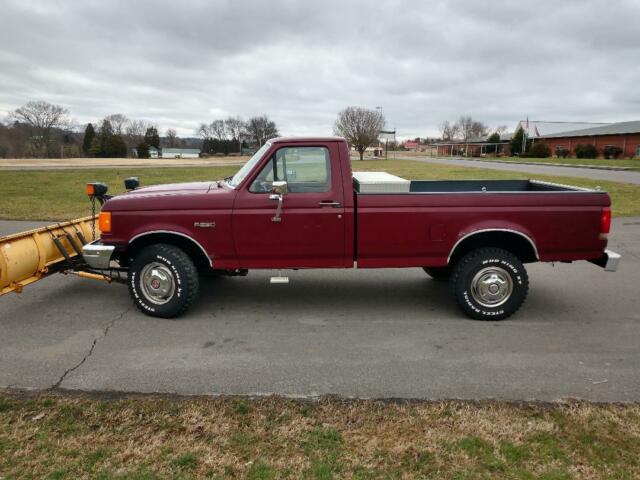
163, 281
489, 284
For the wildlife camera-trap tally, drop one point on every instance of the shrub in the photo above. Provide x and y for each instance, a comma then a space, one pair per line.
586, 151
540, 150
612, 151
562, 152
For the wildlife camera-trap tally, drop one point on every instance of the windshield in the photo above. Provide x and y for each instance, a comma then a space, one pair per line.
247, 167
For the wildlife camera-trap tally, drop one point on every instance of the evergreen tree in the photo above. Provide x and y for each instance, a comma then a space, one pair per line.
152, 138
493, 138
114, 147
143, 150
517, 141
89, 135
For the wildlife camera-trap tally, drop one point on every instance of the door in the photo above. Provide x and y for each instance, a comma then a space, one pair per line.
310, 231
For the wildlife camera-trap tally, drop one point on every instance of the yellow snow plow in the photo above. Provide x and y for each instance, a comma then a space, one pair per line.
26, 257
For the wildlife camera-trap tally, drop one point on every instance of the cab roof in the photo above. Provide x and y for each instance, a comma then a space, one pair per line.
305, 139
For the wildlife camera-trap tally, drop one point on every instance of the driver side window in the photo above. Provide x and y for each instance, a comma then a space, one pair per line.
305, 169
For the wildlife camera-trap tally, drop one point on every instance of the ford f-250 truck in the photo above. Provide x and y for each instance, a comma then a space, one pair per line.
296, 204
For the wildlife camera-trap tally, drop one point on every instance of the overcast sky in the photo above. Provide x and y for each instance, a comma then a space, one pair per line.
179, 63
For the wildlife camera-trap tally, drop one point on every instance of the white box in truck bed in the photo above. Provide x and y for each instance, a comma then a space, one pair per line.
379, 182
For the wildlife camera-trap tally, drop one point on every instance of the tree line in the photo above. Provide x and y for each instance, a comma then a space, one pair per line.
231, 134
44, 130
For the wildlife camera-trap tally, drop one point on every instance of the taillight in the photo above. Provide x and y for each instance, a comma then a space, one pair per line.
605, 220
104, 222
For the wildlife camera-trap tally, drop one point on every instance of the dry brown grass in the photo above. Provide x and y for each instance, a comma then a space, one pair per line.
58, 436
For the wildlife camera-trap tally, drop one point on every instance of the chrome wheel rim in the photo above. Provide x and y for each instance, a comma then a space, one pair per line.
157, 283
491, 287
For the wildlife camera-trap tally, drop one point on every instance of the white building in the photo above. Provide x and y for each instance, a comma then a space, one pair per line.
180, 152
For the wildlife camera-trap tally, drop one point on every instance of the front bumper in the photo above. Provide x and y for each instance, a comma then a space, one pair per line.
609, 261
98, 256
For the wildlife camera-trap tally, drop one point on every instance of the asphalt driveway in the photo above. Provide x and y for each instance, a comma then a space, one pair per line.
380, 333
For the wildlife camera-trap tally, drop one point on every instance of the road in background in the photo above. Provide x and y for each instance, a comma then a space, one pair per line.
56, 164
366, 333
611, 175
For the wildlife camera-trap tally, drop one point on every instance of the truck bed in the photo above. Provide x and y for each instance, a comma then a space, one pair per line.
423, 225
513, 186
466, 186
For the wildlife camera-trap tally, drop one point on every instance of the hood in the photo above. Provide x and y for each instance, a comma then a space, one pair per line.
174, 196
173, 188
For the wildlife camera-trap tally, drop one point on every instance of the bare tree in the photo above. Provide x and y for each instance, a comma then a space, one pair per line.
218, 129
235, 127
171, 138
261, 129
204, 131
360, 127
134, 132
42, 118
466, 128
470, 128
449, 131
118, 122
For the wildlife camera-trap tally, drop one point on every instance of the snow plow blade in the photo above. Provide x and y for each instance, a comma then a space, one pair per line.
29, 256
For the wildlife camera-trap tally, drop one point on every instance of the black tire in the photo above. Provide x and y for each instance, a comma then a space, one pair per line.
497, 267
438, 273
173, 268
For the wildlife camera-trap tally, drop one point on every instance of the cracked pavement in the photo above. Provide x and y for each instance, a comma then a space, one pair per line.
367, 333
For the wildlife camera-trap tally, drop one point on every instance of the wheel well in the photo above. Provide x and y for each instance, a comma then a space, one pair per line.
516, 243
186, 244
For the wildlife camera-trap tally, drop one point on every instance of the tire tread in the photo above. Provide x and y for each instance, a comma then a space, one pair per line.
461, 266
189, 273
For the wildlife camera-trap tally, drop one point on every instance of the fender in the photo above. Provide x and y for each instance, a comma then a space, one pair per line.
172, 232
484, 230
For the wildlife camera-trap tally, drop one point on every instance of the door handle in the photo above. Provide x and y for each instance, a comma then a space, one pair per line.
330, 203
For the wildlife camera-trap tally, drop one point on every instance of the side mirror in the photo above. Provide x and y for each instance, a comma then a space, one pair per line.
280, 187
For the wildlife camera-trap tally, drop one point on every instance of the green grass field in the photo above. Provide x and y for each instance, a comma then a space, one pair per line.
58, 437
60, 194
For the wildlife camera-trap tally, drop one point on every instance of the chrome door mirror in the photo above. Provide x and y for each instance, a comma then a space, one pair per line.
278, 191
280, 187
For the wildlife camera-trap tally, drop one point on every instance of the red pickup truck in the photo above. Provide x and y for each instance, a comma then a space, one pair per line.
297, 204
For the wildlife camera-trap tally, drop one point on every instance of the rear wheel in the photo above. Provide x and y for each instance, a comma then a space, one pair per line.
163, 281
489, 284
438, 273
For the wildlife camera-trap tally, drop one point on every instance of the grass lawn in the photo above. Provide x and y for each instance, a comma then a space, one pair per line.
56, 436
60, 194
635, 164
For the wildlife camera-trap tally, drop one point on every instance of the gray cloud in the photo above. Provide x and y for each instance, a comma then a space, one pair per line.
181, 63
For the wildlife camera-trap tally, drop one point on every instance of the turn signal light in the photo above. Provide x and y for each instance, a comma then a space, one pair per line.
104, 222
96, 189
605, 220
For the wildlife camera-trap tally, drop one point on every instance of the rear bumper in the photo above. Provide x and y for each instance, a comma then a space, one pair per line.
96, 255
609, 261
